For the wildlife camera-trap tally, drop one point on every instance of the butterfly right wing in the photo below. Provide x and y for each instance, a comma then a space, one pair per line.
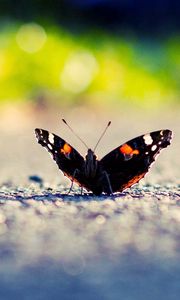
67, 158
128, 163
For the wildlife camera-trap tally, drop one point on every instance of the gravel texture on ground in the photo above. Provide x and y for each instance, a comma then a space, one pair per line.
60, 246
55, 245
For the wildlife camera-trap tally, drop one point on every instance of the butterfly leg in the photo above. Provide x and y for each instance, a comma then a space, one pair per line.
106, 176
72, 181
70, 189
81, 190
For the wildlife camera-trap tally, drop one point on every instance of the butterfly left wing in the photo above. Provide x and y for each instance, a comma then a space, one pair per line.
67, 158
127, 164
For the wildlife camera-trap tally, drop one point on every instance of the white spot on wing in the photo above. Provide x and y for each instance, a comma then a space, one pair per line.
50, 146
148, 139
154, 147
161, 132
51, 138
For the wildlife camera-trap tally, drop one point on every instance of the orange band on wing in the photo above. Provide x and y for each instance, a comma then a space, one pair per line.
126, 149
66, 149
133, 181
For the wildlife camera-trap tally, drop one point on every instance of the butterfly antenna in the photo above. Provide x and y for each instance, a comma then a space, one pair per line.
109, 123
75, 133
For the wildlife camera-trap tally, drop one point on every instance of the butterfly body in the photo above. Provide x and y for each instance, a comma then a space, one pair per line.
120, 169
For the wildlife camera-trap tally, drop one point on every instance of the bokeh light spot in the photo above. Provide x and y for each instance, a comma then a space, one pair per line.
100, 219
78, 72
31, 37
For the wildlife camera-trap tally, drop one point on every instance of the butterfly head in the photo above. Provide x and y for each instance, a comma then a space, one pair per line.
90, 164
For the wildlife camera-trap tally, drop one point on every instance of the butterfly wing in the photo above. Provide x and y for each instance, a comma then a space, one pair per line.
66, 157
127, 164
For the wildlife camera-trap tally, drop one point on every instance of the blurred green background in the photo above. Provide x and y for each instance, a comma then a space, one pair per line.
93, 52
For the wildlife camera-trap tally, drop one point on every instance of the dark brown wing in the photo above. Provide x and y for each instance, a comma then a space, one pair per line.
127, 164
66, 157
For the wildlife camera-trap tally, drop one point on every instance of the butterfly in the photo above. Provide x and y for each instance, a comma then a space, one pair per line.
118, 170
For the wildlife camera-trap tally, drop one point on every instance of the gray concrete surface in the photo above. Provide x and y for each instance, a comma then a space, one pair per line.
59, 246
